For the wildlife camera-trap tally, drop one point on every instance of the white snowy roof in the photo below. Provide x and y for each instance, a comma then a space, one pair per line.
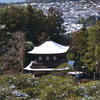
47, 69
29, 66
49, 47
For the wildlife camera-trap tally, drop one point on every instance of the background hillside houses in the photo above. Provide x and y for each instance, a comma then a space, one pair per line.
73, 11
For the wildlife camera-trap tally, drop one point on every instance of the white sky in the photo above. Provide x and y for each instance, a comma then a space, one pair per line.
8, 1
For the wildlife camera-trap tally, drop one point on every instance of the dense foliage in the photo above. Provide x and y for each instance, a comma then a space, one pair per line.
49, 87
54, 87
9, 91
92, 56
80, 40
33, 22
80, 45
4, 87
23, 81
86, 46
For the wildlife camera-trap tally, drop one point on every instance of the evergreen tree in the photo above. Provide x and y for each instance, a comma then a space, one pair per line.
33, 22
52, 87
30, 24
4, 37
80, 40
93, 55
54, 27
40, 26
41, 22
80, 45
13, 18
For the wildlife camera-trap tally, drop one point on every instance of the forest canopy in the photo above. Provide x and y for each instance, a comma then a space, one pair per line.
33, 22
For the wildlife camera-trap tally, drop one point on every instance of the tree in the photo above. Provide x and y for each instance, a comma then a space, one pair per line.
62, 71
23, 81
92, 55
54, 27
16, 44
3, 40
91, 88
41, 22
68, 39
42, 38
52, 87
13, 18
80, 40
4, 36
3, 12
37, 27
28, 57
91, 20
31, 24
70, 56
79, 43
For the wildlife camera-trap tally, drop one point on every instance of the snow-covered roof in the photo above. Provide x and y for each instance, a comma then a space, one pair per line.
49, 47
47, 69
29, 66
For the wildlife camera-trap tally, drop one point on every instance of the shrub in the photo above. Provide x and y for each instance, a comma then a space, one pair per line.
23, 81
4, 88
29, 91
84, 80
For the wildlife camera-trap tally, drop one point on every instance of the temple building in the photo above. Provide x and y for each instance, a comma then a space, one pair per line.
48, 56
